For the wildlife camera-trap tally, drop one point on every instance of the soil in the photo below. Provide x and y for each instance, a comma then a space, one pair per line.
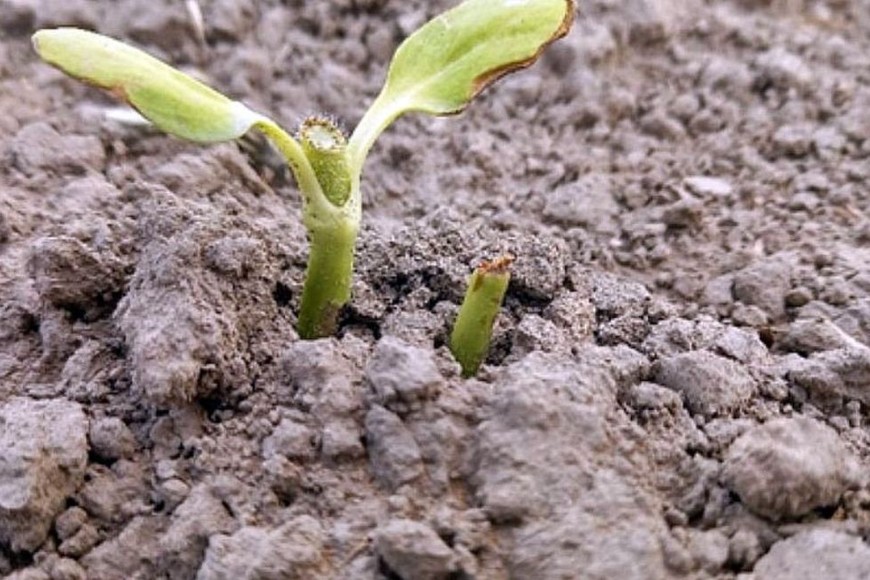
679, 382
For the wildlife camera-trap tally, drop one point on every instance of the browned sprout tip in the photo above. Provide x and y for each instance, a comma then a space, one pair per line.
493, 75
500, 265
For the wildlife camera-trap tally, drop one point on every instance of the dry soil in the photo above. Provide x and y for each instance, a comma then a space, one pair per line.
679, 383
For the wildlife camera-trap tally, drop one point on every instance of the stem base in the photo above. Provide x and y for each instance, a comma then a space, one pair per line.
328, 280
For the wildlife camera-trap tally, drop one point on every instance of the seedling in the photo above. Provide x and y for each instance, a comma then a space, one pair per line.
472, 331
437, 70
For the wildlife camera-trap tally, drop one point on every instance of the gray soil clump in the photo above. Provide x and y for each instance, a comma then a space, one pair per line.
293, 551
710, 384
815, 554
548, 492
414, 550
43, 463
788, 467
679, 378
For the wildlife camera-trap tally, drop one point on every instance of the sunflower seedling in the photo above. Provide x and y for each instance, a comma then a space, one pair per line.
437, 70
472, 331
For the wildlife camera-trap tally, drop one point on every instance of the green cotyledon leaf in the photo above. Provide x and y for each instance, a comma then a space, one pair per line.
173, 101
442, 66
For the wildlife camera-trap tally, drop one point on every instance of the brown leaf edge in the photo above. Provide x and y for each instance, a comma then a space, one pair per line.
490, 76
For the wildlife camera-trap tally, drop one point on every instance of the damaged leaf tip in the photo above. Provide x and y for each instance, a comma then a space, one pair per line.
487, 78
440, 68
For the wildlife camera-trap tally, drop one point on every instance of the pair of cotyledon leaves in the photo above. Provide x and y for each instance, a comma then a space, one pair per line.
437, 70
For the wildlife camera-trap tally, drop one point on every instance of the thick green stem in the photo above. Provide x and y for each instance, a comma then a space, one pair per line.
331, 213
327, 280
332, 225
472, 331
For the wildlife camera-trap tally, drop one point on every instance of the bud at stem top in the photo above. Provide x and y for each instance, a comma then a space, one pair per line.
325, 146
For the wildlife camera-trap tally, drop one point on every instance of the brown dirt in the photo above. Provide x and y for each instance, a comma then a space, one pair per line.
679, 382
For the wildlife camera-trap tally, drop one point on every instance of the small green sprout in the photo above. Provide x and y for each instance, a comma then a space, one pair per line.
437, 70
472, 331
